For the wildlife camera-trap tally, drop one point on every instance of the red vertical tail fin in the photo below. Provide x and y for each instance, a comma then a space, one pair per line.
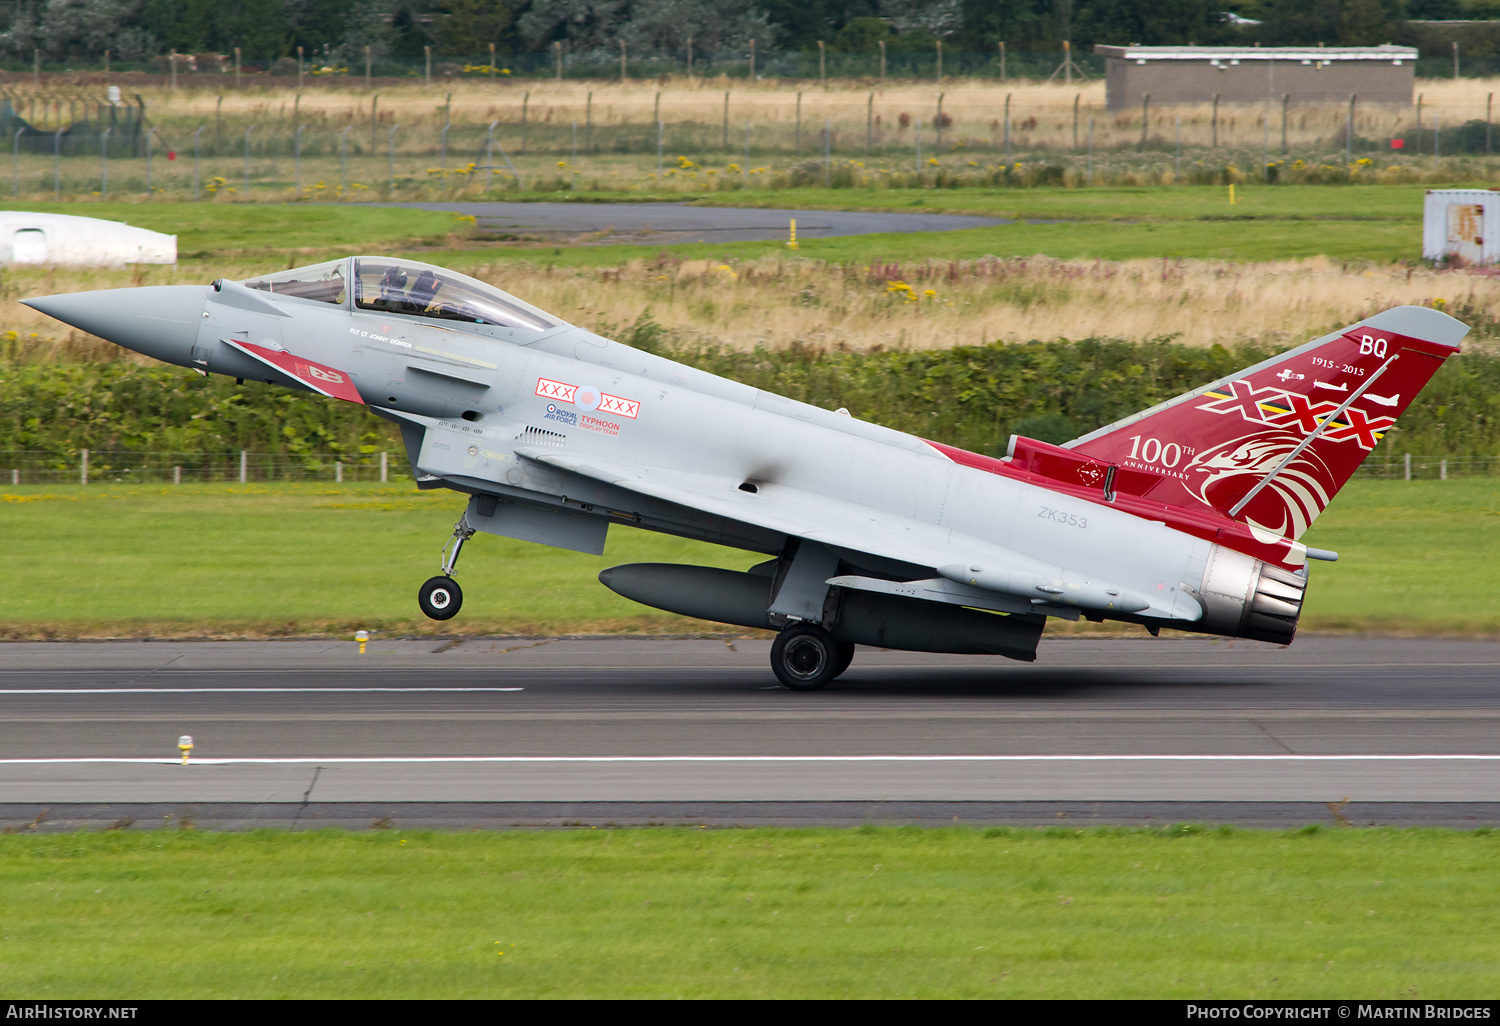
1270, 445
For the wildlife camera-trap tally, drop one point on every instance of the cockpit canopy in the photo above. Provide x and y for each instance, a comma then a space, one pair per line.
405, 287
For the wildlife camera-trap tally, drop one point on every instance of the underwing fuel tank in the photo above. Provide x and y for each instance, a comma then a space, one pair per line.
858, 617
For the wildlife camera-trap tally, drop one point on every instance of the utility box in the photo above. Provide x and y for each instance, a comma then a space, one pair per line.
1462, 225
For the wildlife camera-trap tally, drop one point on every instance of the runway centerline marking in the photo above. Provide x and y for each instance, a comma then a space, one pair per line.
582, 759
232, 691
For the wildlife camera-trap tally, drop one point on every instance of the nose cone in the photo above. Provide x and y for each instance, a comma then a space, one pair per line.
160, 321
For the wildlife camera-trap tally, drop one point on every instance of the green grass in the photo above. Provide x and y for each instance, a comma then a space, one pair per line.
1415, 555
1174, 203
297, 558
288, 559
227, 231
1177, 913
1369, 222
1379, 242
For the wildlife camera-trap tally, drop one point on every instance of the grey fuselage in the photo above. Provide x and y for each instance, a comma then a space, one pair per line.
466, 398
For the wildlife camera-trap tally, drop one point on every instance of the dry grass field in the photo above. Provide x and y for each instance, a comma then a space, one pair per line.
1041, 113
778, 301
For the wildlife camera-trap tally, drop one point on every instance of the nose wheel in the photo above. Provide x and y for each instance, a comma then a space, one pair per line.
805, 657
440, 598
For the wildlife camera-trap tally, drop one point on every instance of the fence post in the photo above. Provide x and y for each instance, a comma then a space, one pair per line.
83, 467
344, 159
236, 68
1007, 129
392, 152
15, 476
338, 472
1406, 460
57, 163
937, 144
247, 157
1442, 470
384, 468
660, 131
1349, 130
197, 162
427, 74
489, 157
870, 123
177, 475
244, 466
827, 153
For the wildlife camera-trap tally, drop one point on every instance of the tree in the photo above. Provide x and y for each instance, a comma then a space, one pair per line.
1369, 22
470, 26
1149, 22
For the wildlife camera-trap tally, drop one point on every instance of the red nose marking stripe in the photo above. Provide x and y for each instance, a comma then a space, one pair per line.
320, 377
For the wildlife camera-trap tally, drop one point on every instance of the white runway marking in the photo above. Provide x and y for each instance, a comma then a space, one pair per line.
229, 691
574, 759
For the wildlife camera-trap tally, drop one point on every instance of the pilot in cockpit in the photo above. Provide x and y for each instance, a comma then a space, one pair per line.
393, 285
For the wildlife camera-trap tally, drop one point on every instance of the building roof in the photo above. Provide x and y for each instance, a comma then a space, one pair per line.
1260, 53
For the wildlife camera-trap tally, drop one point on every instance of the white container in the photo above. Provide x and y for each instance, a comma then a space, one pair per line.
29, 238
1462, 224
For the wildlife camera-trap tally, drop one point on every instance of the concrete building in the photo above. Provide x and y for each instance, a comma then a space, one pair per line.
1257, 74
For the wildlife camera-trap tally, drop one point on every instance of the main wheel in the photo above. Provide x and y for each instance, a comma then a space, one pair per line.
440, 598
805, 657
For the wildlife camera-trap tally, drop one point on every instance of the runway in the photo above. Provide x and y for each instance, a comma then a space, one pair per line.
534, 729
668, 223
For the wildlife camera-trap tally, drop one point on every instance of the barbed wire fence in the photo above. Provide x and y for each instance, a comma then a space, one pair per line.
85, 467
21, 467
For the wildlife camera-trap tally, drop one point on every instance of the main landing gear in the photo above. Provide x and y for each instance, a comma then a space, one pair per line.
805, 657
440, 597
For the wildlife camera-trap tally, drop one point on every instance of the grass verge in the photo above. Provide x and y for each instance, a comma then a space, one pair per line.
279, 560
223, 231
870, 912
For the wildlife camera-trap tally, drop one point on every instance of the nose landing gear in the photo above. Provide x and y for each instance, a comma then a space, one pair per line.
440, 598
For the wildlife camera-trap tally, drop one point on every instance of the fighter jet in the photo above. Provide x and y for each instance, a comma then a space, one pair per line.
1187, 515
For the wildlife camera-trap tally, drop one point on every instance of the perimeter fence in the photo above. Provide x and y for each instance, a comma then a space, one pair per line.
84, 466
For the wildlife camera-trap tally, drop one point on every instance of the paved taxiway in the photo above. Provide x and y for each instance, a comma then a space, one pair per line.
668, 223
633, 720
